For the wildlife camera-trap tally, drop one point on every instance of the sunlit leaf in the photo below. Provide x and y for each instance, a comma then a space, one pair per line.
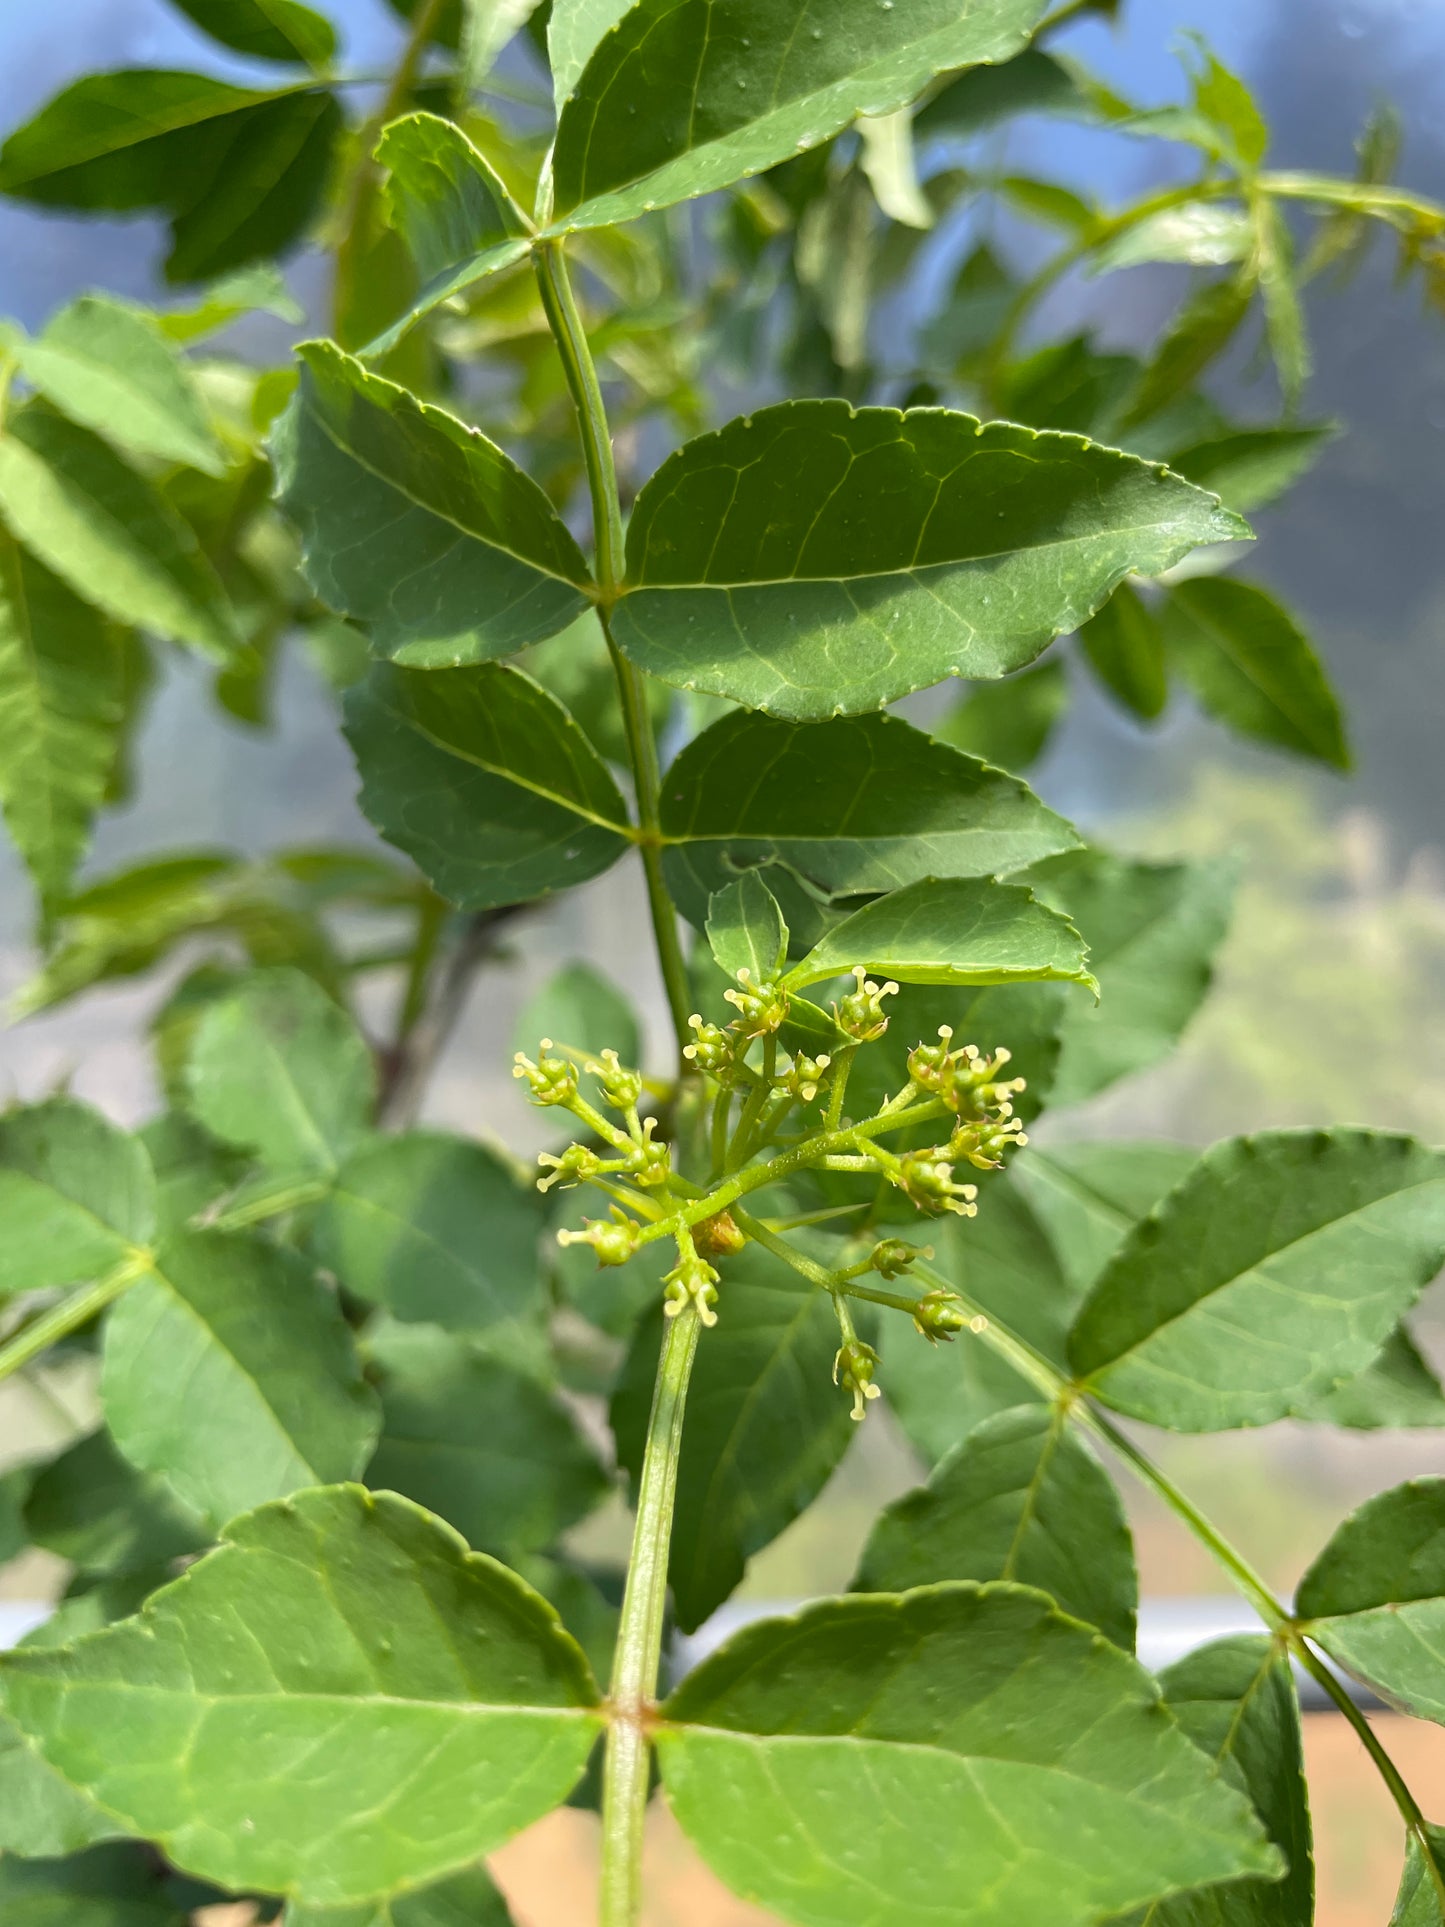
265, 29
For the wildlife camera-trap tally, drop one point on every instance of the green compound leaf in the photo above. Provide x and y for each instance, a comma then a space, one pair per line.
1152, 931
1252, 667
766, 1426
1009, 723
745, 929
813, 560
1249, 467
965, 931
416, 525
1398, 1389
1019, 1499
265, 29
62, 714
452, 210
1033, 1735
118, 1886
469, 1899
485, 1447
95, 1509
240, 170
436, 1228
106, 364
279, 1069
262, 1393
108, 534
485, 781
1124, 646
1419, 1902
580, 1010
77, 1196
1277, 1269
434, 1700
1375, 1597
683, 96
854, 806
1235, 1698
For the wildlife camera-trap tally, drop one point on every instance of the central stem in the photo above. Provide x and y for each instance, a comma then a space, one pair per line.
639, 1636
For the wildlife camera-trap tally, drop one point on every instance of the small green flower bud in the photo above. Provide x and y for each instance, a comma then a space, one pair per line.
650, 1163
984, 1142
614, 1239
938, 1317
861, 1012
853, 1368
805, 1076
892, 1257
552, 1079
575, 1166
692, 1281
621, 1088
761, 1008
712, 1050
927, 1178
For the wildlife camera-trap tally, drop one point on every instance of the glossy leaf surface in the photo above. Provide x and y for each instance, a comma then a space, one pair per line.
813, 560
436, 1701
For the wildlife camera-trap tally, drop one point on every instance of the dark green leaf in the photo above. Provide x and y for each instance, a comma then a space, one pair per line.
972, 102
745, 929
766, 1426
962, 333
1375, 1597
1152, 931
77, 1196
1030, 1736
1398, 1389
61, 714
1068, 385
435, 1701
871, 553
95, 1509
967, 931
1125, 649
15, 1486
1421, 1899
853, 806
1201, 331
1277, 1269
436, 1228
1009, 723
1253, 668
192, 1171
715, 98
262, 1394
1089, 1196
92, 1602
1284, 319
469, 1899
279, 1069
580, 1010
488, 1449
108, 534
1249, 467
265, 29
416, 525
117, 1886
486, 781
1019, 1498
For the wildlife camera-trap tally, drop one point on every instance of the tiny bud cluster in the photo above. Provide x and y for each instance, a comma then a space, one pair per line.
861, 1013
853, 1369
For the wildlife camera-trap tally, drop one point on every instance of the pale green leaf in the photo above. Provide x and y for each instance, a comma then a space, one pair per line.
108, 534
888, 160
339, 1703
61, 714
469, 1899
262, 1393
1284, 317
853, 806
192, 1171
485, 781
436, 1228
966, 931
1019, 1498
799, 1759
279, 1069
813, 560
1253, 668
1375, 1597
1224, 99
714, 98
266, 29
416, 525
39, 1812
745, 929
487, 27
1089, 1196
1398, 1389
574, 28
1248, 467
580, 1010
766, 1426
1050, 203
1202, 233
1153, 930
77, 1196
1277, 1269
487, 1448
1124, 646
95, 1509
258, 290
1009, 723
107, 365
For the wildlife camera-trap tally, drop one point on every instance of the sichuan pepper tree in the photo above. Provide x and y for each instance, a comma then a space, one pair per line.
325, 1644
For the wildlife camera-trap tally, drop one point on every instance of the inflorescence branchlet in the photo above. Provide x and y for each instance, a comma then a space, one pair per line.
761, 1083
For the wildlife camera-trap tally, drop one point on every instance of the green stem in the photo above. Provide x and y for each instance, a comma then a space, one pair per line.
833, 1282
565, 321
69, 1315
639, 1635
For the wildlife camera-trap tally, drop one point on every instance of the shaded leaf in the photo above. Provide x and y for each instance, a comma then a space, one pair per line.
871, 553
1035, 1736
488, 1449
94, 1508
192, 1171
117, 1886
1421, 1899
580, 1010
1200, 332
265, 29
415, 524
108, 534
39, 1812
1253, 668
435, 1700
469, 1899
485, 781
1124, 646
852, 806
1009, 723
77, 1196
261, 289
972, 102
1089, 1196
262, 1394
279, 1069
745, 929
1249, 467
1019, 1498
1279, 1267
1397, 1389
